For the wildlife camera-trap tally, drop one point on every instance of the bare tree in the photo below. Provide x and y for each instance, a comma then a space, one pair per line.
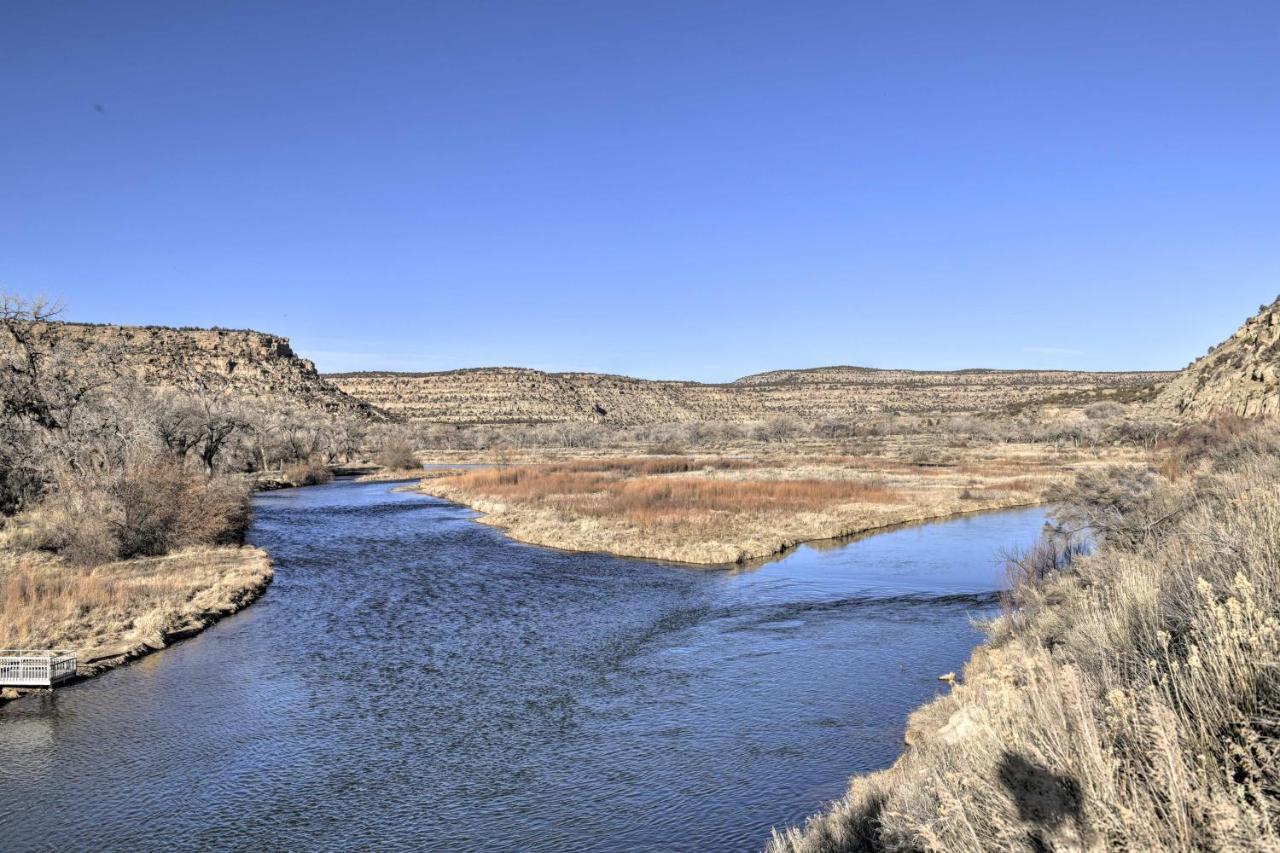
219, 422
42, 390
180, 422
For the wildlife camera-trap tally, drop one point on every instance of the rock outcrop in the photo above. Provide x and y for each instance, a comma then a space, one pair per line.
1241, 375
252, 364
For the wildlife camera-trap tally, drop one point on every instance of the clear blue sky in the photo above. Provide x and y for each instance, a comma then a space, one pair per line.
665, 189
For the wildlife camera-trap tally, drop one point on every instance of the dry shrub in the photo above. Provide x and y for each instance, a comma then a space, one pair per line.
1020, 484
667, 447
1124, 506
152, 506
74, 520
397, 455
1030, 570
1188, 447
164, 506
932, 457
1129, 702
310, 472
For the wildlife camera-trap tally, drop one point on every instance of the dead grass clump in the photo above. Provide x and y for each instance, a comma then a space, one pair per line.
1129, 701
1020, 484
654, 490
651, 499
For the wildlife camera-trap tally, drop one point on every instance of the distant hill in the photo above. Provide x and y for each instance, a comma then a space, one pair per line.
253, 364
520, 395
264, 367
1240, 375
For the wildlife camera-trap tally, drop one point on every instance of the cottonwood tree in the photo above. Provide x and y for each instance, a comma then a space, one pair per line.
1146, 432
219, 425
179, 422
349, 437
205, 423
40, 382
45, 393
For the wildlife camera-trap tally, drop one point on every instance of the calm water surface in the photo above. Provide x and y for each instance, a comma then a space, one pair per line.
415, 681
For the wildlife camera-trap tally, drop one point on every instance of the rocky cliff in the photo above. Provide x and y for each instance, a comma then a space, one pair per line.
253, 364
1240, 375
519, 395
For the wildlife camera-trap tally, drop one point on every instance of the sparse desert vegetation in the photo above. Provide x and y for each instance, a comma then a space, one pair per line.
1127, 699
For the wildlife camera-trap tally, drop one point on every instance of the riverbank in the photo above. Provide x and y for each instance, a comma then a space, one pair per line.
407, 475
733, 509
117, 612
1125, 700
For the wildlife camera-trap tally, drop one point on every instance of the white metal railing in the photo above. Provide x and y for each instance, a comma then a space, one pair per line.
35, 667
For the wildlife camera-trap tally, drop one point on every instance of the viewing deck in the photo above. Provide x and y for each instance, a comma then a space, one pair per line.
36, 667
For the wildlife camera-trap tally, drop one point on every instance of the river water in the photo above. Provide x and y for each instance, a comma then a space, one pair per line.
414, 680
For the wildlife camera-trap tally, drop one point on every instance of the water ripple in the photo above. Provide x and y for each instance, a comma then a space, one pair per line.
415, 681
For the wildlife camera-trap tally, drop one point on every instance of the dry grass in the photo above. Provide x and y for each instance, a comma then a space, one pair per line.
643, 491
122, 608
723, 509
398, 475
1129, 702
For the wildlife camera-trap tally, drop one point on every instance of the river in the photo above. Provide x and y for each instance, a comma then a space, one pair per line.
414, 680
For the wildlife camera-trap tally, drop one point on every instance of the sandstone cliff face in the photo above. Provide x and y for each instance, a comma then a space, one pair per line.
518, 395
253, 364
1241, 375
